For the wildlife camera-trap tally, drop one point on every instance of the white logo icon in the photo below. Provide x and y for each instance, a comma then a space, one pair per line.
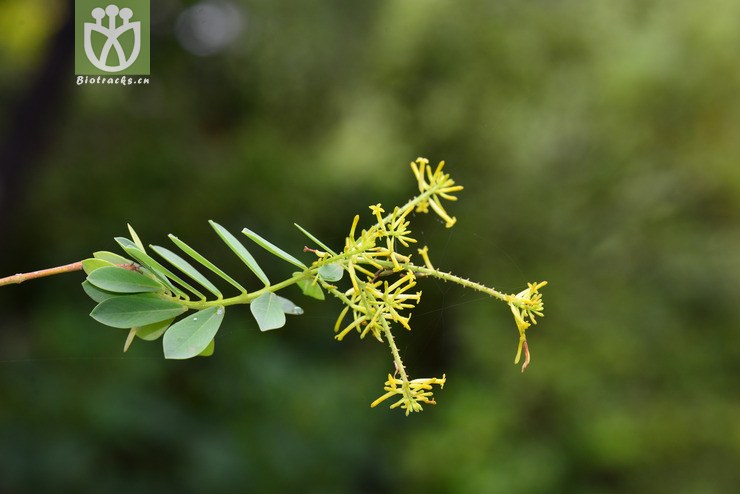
112, 33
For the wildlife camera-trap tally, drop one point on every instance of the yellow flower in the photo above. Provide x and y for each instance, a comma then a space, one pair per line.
378, 211
424, 252
438, 185
525, 305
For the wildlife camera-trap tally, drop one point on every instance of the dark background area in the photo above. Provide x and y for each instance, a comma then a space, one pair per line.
598, 146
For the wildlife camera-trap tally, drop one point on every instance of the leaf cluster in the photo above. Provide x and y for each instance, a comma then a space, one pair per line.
146, 296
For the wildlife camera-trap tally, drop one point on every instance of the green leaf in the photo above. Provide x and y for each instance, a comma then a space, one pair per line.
90, 265
96, 293
135, 238
331, 272
240, 251
273, 249
315, 240
205, 262
268, 312
186, 268
209, 349
120, 280
111, 257
128, 311
192, 335
153, 331
310, 288
289, 307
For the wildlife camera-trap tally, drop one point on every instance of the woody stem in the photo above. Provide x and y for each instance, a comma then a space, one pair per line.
42, 273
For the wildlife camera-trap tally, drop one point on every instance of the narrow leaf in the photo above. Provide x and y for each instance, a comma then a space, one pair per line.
268, 312
205, 262
240, 251
186, 268
315, 240
90, 265
96, 293
273, 249
310, 288
128, 311
289, 307
120, 280
136, 238
192, 335
111, 257
331, 272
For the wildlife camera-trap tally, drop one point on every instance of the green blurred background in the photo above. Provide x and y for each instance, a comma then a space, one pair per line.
598, 143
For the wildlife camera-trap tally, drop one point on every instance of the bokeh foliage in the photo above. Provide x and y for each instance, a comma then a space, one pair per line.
597, 142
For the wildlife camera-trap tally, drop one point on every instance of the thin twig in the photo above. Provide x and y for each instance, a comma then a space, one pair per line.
21, 277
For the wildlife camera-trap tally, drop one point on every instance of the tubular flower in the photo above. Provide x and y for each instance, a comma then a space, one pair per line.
378, 211
424, 253
525, 305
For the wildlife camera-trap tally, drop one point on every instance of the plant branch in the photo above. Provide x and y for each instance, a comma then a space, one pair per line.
42, 273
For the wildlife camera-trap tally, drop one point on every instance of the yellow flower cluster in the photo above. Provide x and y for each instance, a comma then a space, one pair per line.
391, 228
440, 183
374, 304
413, 393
